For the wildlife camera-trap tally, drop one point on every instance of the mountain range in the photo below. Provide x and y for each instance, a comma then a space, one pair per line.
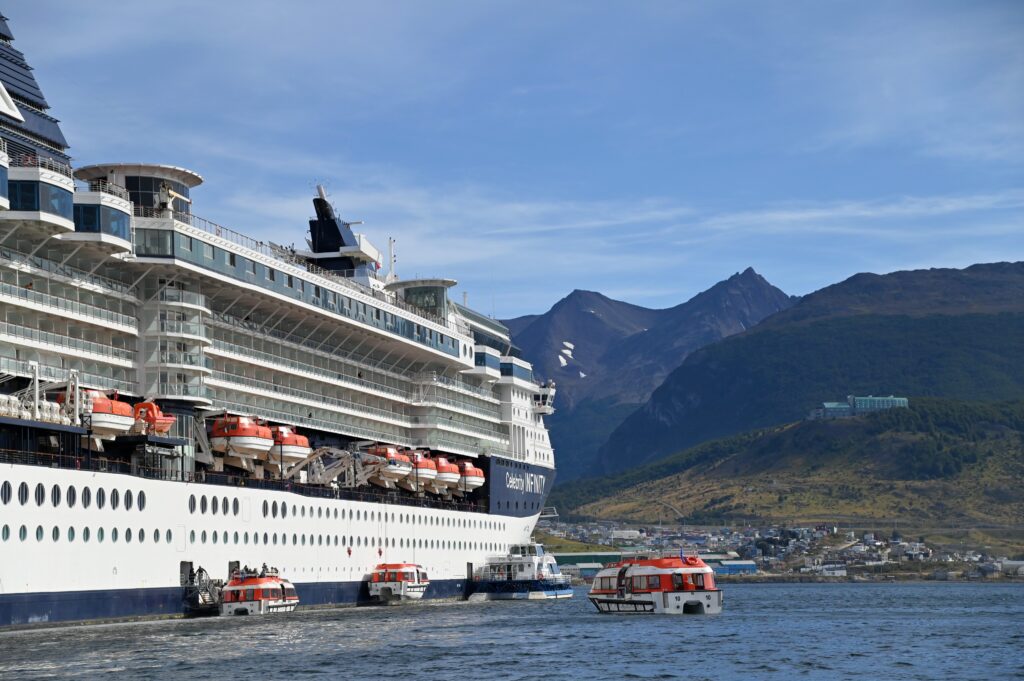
607, 356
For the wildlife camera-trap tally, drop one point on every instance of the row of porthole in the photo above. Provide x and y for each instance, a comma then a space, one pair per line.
56, 534
272, 510
214, 505
71, 497
320, 540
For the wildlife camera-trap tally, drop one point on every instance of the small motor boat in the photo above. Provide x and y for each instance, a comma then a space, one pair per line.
675, 585
396, 582
249, 592
242, 436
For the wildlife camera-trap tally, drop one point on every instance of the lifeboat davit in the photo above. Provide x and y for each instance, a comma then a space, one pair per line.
448, 474
472, 477
289, 445
109, 417
242, 436
153, 420
392, 465
424, 473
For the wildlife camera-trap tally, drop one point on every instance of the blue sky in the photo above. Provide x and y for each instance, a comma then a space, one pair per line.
642, 149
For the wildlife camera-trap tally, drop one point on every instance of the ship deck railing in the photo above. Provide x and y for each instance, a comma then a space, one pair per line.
44, 162
95, 461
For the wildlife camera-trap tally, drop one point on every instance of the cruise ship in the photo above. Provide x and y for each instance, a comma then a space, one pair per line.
175, 394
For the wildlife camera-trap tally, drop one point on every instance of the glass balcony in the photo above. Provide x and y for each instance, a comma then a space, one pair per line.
184, 390
176, 328
188, 359
66, 273
452, 423
44, 300
66, 343
54, 374
173, 295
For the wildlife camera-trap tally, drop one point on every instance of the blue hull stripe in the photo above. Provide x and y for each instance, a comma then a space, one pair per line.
68, 606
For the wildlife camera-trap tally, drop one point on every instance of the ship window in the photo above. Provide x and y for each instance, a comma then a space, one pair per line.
128, 535
303, 512
85, 534
284, 510
224, 505
22, 533
208, 250
265, 538
142, 535
40, 494
273, 510
202, 504
202, 537
271, 274
141, 500
236, 538
192, 504
214, 505
275, 539
255, 537
303, 540
320, 513
55, 495
266, 508
6, 533
358, 515
168, 536
72, 496
335, 514
234, 506
115, 499
100, 534
128, 500
5, 492
224, 536
156, 536
245, 538
335, 540
231, 259
192, 537
293, 510
295, 539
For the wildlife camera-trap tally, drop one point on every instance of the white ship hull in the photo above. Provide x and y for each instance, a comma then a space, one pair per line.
328, 552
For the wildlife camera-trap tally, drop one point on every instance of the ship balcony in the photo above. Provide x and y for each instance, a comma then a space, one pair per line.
190, 330
171, 297
103, 217
18, 334
186, 392
40, 194
70, 309
189, 361
451, 425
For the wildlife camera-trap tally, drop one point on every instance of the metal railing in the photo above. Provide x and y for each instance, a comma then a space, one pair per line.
185, 359
109, 188
66, 342
74, 307
300, 418
59, 374
454, 384
436, 421
312, 397
71, 274
44, 162
456, 404
173, 295
178, 328
178, 390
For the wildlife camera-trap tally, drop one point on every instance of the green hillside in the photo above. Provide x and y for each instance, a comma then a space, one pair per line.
942, 466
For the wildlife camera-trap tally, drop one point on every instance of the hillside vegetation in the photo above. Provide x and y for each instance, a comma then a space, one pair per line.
940, 466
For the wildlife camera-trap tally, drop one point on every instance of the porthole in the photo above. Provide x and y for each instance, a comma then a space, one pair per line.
71, 533
101, 498
22, 533
245, 538
192, 537
320, 540
234, 506
303, 511
71, 496
358, 515
129, 501
85, 534
128, 535
214, 536
224, 537
142, 535
40, 494
142, 500
284, 510
273, 510
275, 539
192, 503
5, 532
202, 537
100, 534
113, 535
335, 540
255, 537
303, 540
266, 508
224, 505
293, 510
236, 538
202, 504
214, 505
359, 541
335, 514
156, 536
23, 493
295, 539
320, 512
349, 512
115, 499
6, 492
168, 536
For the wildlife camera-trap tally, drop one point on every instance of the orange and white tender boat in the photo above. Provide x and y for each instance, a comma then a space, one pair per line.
251, 592
109, 417
424, 473
390, 465
472, 477
152, 420
396, 582
448, 475
677, 585
289, 445
243, 436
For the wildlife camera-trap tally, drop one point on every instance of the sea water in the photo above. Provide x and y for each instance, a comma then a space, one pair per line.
962, 631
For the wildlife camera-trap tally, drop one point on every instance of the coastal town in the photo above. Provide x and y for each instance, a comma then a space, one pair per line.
774, 553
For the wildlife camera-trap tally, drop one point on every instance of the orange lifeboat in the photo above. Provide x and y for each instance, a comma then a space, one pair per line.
242, 436
392, 465
156, 423
447, 473
472, 477
424, 473
109, 417
289, 445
